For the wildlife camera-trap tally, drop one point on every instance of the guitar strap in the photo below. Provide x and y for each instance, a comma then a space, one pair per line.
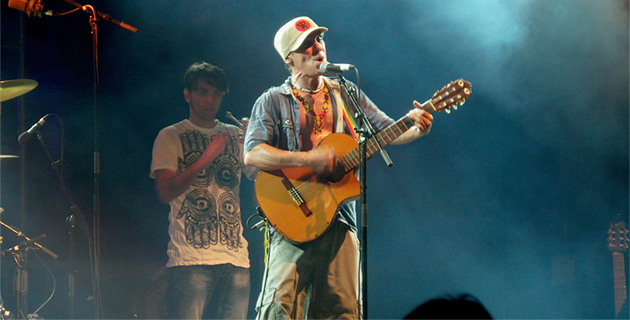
343, 114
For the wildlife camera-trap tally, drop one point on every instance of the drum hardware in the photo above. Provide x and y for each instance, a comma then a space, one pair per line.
20, 256
34, 7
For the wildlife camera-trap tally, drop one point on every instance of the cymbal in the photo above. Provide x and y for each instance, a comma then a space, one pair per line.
7, 156
10, 89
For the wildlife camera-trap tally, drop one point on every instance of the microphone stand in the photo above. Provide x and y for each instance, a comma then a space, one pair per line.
76, 217
20, 256
95, 17
367, 133
102, 16
98, 311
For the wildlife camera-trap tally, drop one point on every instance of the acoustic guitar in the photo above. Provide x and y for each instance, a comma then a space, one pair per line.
301, 205
618, 244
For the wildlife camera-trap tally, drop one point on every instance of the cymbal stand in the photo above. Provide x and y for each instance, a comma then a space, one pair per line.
20, 256
4, 312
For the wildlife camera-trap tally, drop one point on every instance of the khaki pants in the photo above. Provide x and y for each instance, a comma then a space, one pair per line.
314, 280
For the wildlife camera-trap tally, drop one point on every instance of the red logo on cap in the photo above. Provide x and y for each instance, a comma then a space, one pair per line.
302, 25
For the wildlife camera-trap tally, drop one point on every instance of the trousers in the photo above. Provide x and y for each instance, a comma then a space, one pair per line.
208, 292
315, 280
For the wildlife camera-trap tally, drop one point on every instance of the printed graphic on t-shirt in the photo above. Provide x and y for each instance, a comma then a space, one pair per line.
229, 219
193, 144
226, 165
211, 219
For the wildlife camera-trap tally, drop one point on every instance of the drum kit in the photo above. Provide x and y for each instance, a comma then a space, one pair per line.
148, 302
10, 89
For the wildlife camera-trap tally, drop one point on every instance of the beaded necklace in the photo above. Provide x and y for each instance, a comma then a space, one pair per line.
318, 121
308, 90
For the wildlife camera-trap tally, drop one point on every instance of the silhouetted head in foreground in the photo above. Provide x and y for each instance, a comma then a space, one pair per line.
464, 306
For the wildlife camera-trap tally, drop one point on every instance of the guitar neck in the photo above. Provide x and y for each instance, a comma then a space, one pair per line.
385, 137
619, 280
396, 130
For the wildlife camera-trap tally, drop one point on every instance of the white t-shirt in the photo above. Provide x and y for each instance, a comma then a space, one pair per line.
205, 221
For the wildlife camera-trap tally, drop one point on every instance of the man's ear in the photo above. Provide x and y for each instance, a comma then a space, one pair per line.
187, 95
288, 60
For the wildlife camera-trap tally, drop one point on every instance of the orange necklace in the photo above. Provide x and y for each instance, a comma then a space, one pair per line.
318, 121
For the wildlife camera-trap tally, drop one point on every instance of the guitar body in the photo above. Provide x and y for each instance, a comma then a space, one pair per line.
302, 221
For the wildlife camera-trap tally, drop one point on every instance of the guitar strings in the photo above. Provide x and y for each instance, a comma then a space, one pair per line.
307, 189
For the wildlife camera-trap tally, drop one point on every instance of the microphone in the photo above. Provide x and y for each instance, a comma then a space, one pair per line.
339, 67
26, 135
30, 7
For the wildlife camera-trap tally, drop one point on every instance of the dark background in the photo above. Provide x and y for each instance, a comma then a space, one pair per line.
509, 198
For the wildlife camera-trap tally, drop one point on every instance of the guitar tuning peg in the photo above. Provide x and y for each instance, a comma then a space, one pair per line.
448, 110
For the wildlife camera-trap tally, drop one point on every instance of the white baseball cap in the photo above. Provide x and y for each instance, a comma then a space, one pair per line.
291, 36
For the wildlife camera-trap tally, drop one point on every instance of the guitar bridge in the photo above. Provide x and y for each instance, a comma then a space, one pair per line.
297, 197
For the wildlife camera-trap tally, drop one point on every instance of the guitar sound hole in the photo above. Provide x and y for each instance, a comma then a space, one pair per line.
335, 176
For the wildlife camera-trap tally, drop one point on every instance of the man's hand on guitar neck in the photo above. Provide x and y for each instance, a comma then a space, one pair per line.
423, 121
422, 118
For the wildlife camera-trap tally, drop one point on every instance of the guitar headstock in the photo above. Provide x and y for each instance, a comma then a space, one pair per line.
452, 95
618, 237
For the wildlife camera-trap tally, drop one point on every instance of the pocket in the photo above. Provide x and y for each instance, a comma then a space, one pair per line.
288, 129
265, 300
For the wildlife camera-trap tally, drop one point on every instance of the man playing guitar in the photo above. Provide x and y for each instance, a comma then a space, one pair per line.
289, 124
